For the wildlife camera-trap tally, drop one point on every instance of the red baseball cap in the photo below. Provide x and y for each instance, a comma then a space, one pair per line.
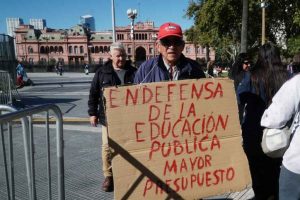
169, 29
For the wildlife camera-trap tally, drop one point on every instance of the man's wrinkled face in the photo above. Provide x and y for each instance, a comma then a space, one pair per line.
170, 48
118, 57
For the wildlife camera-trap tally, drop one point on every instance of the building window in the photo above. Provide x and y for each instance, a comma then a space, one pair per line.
151, 50
120, 37
30, 49
81, 49
129, 50
76, 50
105, 49
51, 49
198, 50
60, 49
97, 49
42, 49
70, 49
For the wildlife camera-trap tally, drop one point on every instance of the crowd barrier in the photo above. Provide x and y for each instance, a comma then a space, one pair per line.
9, 119
8, 93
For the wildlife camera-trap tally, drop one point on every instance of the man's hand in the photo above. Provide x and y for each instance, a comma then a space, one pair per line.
93, 120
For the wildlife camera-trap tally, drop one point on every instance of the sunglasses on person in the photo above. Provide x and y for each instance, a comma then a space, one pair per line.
246, 62
171, 42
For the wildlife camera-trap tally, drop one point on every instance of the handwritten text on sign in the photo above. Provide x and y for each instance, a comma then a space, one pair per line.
186, 127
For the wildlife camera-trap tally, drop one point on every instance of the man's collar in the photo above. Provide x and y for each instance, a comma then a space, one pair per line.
168, 66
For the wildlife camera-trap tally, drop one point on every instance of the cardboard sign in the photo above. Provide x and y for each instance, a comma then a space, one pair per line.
179, 140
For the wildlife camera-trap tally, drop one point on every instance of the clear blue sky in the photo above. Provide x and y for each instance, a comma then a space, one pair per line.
66, 13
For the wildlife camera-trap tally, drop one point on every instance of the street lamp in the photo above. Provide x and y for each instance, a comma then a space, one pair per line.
132, 14
89, 53
263, 6
25, 39
47, 37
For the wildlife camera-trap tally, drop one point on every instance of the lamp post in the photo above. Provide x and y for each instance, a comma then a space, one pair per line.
154, 38
89, 53
25, 39
46, 37
132, 14
263, 6
113, 19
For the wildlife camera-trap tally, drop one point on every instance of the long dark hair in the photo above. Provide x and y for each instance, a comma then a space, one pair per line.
268, 72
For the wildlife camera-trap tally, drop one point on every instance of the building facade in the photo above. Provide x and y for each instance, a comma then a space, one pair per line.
38, 23
88, 21
12, 24
79, 45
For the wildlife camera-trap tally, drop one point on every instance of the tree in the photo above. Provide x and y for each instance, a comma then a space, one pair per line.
218, 23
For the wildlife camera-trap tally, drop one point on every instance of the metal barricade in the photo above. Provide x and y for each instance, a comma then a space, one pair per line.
8, 92
25, 116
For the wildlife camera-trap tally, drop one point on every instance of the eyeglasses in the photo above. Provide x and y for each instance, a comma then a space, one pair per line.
171, 42
247, 63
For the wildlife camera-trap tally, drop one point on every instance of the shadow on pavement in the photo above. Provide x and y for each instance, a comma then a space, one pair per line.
34, 100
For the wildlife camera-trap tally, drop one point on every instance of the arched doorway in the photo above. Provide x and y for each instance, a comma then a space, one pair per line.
140, 55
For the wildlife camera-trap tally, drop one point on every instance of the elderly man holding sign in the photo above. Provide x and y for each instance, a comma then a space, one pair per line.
114, 72
171, 64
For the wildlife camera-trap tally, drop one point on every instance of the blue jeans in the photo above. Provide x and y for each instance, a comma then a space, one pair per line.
289, 185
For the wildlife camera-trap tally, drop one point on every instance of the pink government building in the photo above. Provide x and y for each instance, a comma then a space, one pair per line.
78, 45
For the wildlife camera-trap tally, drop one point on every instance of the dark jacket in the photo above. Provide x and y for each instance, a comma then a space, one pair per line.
105, 76
154, 70
254, 106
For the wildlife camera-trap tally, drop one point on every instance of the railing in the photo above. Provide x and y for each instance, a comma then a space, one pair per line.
8, 92
13, 116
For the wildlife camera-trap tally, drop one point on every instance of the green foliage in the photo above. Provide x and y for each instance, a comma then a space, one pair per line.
218, 24
294, 45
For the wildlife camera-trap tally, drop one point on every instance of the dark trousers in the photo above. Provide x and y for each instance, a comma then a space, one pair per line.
264, 173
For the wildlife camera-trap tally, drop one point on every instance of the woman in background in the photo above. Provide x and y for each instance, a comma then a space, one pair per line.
255, 93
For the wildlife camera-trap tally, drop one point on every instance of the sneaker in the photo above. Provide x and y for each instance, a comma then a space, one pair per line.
108, 184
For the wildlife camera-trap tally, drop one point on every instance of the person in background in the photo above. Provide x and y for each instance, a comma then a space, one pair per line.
60, 68
22, 78
171, 64
255, 93
86, 68
56, 68
239, 68
290, 68
210, 68
285, 105
114, 72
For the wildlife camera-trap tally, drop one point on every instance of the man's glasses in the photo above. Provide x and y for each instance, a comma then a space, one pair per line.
171, 42
247, 63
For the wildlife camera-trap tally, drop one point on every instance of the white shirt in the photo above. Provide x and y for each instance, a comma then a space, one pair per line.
284, 105
175, 71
